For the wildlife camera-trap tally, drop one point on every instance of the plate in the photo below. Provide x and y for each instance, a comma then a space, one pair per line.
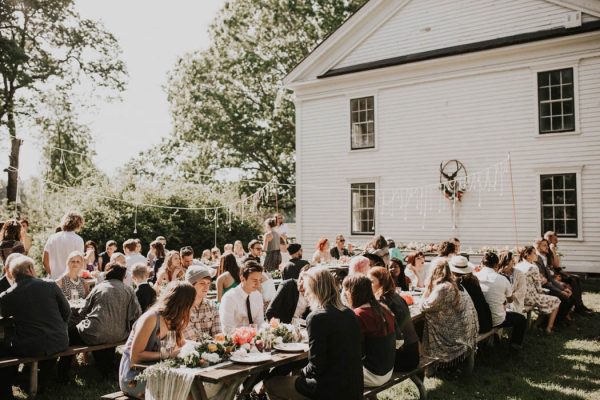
251, 358
291, 347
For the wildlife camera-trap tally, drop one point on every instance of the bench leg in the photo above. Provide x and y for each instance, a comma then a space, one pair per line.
33, 379
419, 383
470, 361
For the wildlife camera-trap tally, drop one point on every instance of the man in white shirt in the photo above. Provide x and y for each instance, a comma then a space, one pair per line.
243, 304
61, 244
132, 257
497, 290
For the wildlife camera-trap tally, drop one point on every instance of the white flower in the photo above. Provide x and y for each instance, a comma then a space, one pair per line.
189, 348
212, 358
278, 340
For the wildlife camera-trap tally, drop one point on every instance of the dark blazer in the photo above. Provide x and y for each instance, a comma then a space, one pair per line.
4, 284
484, 315
285, 301
40, 311
552, 284
334, 370
335, 253
292, 269
146, 295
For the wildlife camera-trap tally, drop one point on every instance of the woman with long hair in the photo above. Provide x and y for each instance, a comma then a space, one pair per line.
91, 255
170, 270
238, 251
534, 294
170, 313
407, 355
334, 369
157, 250
377, 328
10, 239
451, 323
228, 275
271, 246
517, 280
322, 254
415, 268
398, 274
379, 247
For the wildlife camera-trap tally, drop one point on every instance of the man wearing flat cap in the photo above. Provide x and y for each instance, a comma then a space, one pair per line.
204, 315
292, 269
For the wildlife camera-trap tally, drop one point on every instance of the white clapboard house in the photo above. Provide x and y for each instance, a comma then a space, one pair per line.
405, 85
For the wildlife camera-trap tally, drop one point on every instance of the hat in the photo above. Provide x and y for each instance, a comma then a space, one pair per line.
460, 265
293, 248
196, 272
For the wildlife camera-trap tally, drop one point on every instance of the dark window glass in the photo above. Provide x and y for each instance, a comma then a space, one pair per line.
559, 204
362, 123
363, 208
555, 98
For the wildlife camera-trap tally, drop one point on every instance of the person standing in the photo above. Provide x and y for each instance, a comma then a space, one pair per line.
243, 304
271, 246
61, 244
40, 313
131, 248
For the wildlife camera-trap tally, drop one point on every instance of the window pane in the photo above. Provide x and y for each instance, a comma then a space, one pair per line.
567, 107
567, 91
568, 123
543, 78
555, 93
557, 123
558, 182
571, 212
567, 75
353, 105
570, 181
545, 109
559, 212
559, 226
571, 227
547, 212
547, 197
555, 77
556, 108
544, 94
545, 125
548, 225
546, 182
570, 197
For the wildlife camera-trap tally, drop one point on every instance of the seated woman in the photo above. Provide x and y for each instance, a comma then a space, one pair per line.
407, 341
517, 280
238, 251
415, 269
398, 274
170, 313
70, 282
170, 270
462, 270
377, 329
534, 295
334, 369
228, 275
107, 315
379, 247
451, 323
322, 254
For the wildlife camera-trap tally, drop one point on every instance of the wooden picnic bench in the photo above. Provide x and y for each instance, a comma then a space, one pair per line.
33, 374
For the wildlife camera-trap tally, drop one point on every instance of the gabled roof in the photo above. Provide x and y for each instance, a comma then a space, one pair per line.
323, 61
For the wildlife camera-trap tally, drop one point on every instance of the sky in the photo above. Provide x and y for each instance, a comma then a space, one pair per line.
152, 35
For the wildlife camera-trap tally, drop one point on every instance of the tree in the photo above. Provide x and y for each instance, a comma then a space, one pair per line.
230, 99
47, 45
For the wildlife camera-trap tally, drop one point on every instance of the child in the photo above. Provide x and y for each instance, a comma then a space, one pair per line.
144, 292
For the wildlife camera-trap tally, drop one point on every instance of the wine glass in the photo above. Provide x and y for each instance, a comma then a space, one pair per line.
74, 295
168, 345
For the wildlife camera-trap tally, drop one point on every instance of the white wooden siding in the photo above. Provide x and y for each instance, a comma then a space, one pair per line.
424, 25
475, 118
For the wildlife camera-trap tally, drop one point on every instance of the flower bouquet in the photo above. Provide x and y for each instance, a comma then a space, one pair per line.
207, 352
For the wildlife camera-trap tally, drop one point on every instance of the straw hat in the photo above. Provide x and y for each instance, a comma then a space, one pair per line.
460, 265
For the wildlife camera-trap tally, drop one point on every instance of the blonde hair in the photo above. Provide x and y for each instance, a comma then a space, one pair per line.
73, 255
322, 289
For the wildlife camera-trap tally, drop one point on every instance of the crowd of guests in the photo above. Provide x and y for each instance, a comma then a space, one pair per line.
359, 324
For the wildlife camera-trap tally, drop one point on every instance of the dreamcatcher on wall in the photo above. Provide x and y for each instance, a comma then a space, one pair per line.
453, 179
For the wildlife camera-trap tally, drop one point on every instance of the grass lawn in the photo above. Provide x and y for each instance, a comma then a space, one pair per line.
564, 366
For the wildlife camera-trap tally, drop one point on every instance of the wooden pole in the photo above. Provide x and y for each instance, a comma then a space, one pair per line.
514, 208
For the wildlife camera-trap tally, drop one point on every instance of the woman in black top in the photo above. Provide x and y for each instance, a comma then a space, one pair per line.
463, 274
158, 250
407, 355
11, 239
397, 269
334, 370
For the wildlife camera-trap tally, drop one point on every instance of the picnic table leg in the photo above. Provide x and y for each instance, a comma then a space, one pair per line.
419, 383
33, 379
471, 361
198, 392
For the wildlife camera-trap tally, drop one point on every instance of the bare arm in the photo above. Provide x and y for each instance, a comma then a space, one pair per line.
143, 331
46, 262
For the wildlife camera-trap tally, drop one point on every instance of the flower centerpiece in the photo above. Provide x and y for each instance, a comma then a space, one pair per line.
207, 352
275, 333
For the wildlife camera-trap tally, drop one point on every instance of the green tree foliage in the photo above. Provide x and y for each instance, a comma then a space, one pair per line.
46, 45
228, 101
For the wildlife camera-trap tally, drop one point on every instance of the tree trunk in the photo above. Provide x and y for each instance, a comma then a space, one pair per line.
13, 169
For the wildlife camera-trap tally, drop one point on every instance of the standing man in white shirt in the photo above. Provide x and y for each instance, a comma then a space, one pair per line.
61, 244
132, 257
497, 291
243, 305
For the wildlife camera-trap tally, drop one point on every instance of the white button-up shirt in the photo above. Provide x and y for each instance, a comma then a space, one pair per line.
496, 288
233, 311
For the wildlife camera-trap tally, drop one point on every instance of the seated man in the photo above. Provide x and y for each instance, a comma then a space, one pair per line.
254, 252
40, 313
145, 293
497, 290
572, 280
292, 269
339, 250
204, 315
187, 257
289, 302
243, 305
556, 288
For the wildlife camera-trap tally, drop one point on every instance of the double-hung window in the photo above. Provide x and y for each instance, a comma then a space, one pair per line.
362, 123
363, 208
559, 204
556, 104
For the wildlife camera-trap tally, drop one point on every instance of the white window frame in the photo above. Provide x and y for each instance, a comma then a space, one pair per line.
534, 78
374, 180
557, 170
348, 99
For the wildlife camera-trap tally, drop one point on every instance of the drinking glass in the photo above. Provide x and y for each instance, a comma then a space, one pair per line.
74, 295
168, 345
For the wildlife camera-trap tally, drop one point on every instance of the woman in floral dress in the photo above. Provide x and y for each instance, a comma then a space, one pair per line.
535, 296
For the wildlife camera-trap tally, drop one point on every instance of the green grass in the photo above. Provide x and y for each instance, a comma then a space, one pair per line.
565, 366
